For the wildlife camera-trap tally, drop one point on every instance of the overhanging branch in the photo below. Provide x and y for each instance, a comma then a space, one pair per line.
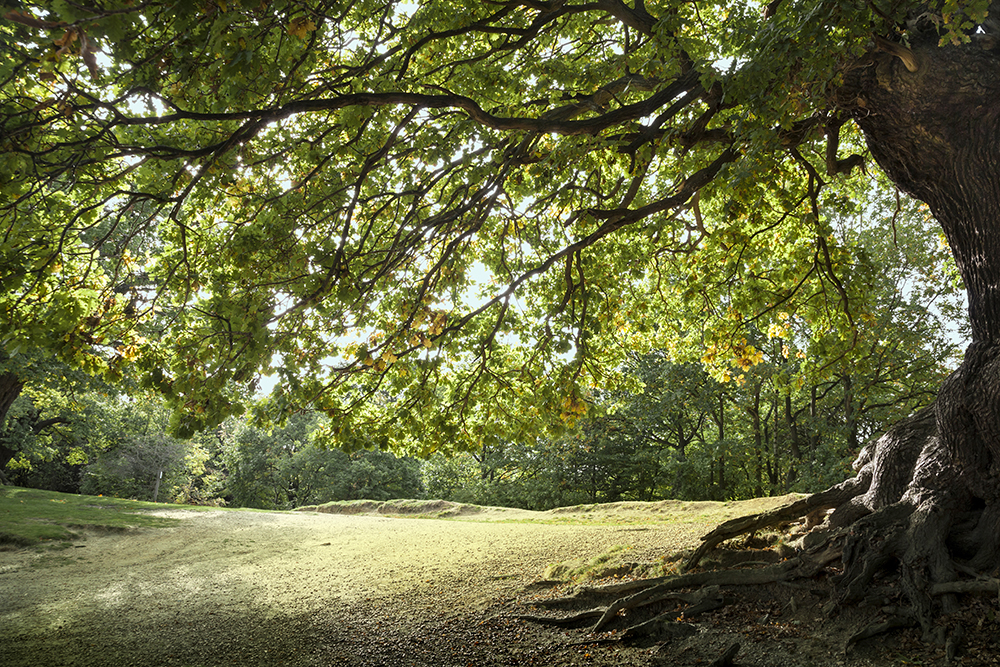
544, 124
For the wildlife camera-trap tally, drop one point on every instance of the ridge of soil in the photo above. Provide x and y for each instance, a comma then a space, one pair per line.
350, 585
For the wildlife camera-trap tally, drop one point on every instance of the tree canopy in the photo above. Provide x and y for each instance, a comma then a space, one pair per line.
438, 221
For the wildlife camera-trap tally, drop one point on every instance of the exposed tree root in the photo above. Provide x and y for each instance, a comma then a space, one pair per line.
662, 627
910, 510
727, 657
921, 516
703, 600
706, 597
954, 641
563, 621
810, 505
700, 601
864, 538
977, 586
884, 468
876, 629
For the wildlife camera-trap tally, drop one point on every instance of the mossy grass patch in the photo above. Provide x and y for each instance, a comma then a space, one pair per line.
31, 518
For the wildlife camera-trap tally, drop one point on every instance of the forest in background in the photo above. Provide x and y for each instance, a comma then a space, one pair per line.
791, 418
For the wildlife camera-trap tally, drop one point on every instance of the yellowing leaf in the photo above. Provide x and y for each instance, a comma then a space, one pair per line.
776, 330
300, 27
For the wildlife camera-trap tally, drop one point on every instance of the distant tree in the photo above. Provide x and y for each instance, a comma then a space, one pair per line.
51, 427
537, 476
284, 468
133, 456
144, 467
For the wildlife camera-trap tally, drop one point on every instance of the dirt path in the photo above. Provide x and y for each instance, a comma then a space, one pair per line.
303, 589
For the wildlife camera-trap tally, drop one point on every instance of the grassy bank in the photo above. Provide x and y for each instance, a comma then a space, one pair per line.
29, 517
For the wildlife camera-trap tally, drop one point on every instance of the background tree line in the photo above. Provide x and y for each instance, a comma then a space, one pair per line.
678, 433
104, 442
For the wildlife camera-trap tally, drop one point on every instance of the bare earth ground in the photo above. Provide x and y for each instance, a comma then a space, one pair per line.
364, 590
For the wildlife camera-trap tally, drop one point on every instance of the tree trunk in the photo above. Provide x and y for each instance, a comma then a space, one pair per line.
10, 389
850, 415
753, 411
936, 132
772, 433
813, 418
929, 495
720, 424
793, 428
793, 443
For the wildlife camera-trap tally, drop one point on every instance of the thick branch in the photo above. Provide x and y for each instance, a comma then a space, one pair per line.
906, 56
38, 427
544, 124
637, 18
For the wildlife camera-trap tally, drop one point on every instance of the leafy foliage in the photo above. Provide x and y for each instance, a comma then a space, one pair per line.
284, 468
790, 419
136, 469
438, 223
53, 421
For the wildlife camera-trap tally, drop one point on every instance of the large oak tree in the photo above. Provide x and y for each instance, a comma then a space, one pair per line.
438, 221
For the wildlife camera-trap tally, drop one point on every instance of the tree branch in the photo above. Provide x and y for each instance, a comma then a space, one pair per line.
637, 18
544, 124
38, 427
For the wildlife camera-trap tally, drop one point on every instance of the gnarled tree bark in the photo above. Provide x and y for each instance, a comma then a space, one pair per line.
926, 497
928, 491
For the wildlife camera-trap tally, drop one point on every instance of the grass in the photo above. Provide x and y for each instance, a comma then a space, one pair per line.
33, 518
612, 562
